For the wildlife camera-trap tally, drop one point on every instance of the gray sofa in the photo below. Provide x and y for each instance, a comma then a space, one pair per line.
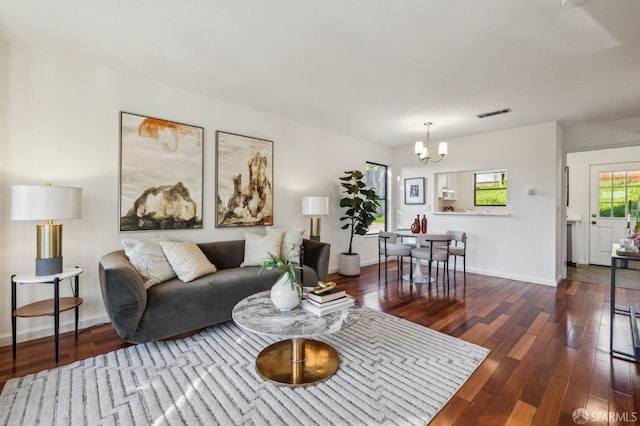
174, 307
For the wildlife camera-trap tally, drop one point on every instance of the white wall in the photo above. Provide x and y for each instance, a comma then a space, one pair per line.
521, 246
59, 123
561, 207
602, 135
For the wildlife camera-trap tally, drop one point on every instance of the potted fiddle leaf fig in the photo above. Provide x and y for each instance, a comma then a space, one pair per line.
361, 204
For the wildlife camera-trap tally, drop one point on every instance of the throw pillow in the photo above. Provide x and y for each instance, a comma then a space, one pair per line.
149, 260
257, 247
187, 260
290, 238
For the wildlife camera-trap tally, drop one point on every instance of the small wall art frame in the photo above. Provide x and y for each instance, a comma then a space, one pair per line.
244, 180
414, 190
161, 169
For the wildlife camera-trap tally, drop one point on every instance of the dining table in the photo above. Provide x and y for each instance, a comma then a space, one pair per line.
418, 275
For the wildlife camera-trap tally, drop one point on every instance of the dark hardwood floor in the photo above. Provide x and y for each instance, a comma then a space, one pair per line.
549, 347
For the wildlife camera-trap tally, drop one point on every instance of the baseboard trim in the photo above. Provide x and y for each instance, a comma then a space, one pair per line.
26, 335
526, 279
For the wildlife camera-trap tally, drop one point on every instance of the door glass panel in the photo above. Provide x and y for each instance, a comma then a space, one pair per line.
605, 210
619, 209
618, 191
633, 178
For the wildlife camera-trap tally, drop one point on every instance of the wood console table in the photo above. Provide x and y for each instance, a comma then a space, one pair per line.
45, 307
626, 310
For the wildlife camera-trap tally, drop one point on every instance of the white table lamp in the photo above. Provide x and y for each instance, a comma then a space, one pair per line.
315, 206
39, 202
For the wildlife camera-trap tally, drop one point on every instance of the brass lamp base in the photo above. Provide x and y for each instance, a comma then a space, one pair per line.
48, 249
314, 228
297, 362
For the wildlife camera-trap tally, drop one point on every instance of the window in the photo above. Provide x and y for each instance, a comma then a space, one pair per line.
490, 189
616, 190
376, 178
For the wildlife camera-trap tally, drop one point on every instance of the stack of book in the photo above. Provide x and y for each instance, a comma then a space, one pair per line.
325, 303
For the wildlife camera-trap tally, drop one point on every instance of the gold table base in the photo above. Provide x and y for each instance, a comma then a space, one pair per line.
297, 362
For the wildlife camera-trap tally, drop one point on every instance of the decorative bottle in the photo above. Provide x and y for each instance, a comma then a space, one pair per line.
415, 226
423, 225
635, 229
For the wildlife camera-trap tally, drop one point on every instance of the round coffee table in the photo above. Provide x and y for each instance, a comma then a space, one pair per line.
296, 361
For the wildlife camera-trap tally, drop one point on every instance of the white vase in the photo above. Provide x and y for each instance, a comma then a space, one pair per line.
283, 296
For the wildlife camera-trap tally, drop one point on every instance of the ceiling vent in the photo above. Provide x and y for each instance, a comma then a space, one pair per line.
492, 113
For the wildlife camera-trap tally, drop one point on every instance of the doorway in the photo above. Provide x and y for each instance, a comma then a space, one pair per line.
614, 197
583, 201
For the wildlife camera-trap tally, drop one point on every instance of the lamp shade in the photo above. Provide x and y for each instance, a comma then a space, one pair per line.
443, 148
315, 205
40, 202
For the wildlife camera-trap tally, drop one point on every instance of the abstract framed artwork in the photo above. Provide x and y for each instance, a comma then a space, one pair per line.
414, 190
244, 180
161, 174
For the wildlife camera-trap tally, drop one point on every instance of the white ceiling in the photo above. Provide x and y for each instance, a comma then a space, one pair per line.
373, 69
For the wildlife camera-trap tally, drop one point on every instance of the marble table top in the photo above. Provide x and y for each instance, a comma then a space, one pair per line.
257, 314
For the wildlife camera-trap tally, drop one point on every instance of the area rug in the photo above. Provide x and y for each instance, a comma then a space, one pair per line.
392, 371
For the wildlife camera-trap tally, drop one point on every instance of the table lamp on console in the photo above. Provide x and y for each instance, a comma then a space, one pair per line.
46, 202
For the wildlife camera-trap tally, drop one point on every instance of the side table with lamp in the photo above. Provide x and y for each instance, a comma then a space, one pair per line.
45, 307
46, 202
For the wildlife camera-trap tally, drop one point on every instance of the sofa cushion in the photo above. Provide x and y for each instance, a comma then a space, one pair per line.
291, 243
149, 260
187, 260
257, 247
224, 254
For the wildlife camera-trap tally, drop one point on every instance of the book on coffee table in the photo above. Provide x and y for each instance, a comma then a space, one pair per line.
327, 309
326, 304
326, 297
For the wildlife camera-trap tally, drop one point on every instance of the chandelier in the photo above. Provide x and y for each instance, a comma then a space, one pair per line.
422, 152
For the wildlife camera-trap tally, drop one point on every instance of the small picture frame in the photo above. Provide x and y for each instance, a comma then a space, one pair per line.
244, 180
414, 190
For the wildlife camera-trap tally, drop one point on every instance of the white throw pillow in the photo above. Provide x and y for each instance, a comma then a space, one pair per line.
187, 260
149, 260
290, 237
257, 247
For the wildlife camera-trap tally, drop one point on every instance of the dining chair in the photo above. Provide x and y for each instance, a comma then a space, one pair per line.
388, 246
459, 249
433, 248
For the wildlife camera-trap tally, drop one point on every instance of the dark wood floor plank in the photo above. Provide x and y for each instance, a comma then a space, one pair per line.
621, 405
549, 409
600, 384
577, 389
537, 384
522, 414
451, 412
549, 346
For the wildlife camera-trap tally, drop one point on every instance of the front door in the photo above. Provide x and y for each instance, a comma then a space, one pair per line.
614, 198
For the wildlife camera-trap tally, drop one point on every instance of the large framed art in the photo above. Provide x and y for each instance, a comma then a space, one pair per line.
161, 169
414, 190
244, 180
